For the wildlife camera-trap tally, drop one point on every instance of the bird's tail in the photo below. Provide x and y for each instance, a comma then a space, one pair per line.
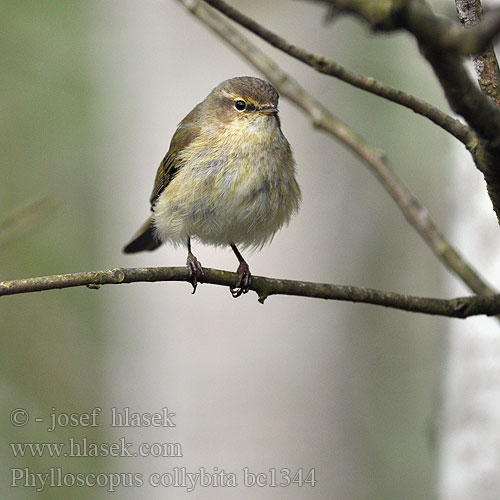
145, 239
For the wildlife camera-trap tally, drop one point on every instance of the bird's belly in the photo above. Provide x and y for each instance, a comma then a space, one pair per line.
245, 206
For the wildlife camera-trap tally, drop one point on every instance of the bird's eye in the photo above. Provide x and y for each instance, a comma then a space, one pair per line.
240, 105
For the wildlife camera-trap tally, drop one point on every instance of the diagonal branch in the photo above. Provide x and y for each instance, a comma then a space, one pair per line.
323, 119
463, 95
461, 307
330, 67
433, 33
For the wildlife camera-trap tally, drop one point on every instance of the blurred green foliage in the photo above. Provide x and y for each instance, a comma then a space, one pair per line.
49, 350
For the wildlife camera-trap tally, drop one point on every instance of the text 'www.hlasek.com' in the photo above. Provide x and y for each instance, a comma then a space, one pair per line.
28, 451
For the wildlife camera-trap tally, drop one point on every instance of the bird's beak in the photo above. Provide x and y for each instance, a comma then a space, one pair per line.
268, 110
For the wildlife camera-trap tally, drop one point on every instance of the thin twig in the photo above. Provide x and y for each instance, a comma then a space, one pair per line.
323, 119
482, 138
462, 93
330, 67
461, 307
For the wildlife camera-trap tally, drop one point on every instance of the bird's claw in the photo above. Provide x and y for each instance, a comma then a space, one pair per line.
196, 273
244, 280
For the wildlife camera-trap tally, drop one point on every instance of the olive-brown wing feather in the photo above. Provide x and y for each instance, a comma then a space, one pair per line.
146, 239
187, 131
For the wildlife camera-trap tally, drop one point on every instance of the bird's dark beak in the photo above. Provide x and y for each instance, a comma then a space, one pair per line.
268, 110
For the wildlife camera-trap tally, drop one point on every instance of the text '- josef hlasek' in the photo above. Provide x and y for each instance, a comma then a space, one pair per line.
123, 417
83, 446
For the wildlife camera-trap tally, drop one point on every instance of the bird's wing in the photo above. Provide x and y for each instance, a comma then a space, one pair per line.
184, 135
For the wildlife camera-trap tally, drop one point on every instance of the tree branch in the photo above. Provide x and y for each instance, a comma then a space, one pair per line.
324, 120
462, 94
445, 35
330, 67
440, 32
485, 62
433, 35
461, 307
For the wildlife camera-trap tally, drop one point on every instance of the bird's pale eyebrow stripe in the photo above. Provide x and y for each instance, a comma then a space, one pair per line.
227, 94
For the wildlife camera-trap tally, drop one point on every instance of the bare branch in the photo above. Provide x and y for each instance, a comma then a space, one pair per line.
324, 120
461, 307
443, 34
330, 67
485, 63
438, 40
481, 37
466, 99
462, 94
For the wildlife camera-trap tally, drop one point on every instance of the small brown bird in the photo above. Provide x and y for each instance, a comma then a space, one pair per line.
228, 178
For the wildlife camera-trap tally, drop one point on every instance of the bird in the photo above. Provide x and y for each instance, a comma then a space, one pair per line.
228, 178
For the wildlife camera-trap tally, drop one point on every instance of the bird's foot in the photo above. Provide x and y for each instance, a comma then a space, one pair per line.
196, 273
244, 280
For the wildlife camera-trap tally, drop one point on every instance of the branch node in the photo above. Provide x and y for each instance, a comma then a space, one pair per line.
461, 308
263, 295
118, 274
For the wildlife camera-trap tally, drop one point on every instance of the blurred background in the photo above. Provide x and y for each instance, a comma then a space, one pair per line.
91, 95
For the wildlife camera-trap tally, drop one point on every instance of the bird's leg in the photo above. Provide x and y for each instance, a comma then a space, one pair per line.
196, 272
244, 275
